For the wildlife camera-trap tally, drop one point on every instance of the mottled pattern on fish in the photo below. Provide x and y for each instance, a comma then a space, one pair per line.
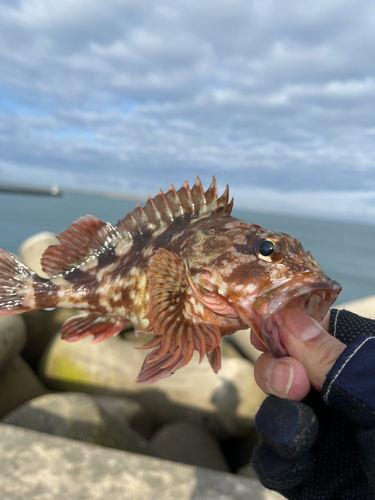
181, 268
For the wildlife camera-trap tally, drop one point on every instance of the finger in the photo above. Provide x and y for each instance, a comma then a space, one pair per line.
289, 428
308, 342
257, 343
325, 321
277, 473
283, 377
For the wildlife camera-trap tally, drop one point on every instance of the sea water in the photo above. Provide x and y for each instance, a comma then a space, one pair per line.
345, 251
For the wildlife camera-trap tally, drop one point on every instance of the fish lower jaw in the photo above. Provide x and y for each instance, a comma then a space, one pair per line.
271, 323
271, 337
315, 302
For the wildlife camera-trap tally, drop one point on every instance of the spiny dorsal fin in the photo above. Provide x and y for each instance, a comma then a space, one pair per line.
87, 237
173, 206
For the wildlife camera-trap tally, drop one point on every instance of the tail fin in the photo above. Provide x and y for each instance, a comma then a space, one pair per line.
16, 285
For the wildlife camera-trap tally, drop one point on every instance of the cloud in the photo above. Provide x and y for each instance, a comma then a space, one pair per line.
323, 204
135, 95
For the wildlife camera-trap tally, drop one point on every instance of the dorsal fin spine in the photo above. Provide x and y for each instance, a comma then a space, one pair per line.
197, 199
177, 200
229, 206
158, 214
201, 195
121, 224
135, 223
190, 198
199, 185
143, 214
223, 200
169, 211
211, 196
214, 192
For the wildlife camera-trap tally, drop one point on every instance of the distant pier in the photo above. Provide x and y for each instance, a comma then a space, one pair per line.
32, 190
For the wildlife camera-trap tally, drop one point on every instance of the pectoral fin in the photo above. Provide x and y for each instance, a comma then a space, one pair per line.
214, 358
154, 368
176, 318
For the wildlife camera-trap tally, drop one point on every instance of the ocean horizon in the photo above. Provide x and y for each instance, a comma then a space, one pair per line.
345, 250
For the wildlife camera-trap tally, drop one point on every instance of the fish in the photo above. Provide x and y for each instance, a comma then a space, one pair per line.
181, 269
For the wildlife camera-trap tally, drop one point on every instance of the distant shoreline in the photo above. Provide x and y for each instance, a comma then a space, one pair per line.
55, 190
58, 191
30, 190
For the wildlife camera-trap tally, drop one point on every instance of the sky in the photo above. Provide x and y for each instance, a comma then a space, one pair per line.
276, 98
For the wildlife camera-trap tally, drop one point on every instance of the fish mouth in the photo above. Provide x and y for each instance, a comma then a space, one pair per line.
314, 298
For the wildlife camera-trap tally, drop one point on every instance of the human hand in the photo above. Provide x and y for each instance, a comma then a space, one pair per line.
324, 446
312, 353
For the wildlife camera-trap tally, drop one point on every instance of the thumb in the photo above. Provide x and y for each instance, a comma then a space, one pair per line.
308, 342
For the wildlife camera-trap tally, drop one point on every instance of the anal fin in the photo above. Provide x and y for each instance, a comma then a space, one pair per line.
83, 325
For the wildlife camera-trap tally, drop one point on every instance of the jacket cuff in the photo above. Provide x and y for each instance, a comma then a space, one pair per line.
350, 384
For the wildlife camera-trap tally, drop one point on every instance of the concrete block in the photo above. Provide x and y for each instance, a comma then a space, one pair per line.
38, 466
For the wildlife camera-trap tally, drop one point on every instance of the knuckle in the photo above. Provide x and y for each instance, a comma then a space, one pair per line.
327, 352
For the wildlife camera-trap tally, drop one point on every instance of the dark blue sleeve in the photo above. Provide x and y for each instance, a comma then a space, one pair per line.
350, 384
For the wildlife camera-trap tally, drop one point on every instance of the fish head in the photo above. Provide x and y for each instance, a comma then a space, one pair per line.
241, 269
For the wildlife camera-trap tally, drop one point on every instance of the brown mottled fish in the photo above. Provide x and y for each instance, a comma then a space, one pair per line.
181, 268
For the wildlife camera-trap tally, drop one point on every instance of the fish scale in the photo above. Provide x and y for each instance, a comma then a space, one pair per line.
181, 269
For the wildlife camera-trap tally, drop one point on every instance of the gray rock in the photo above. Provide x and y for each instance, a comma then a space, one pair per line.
247, 471
225, 403
69, 415
79, 416
32, 249
189, 444
37, 466
18, 384
122, 410
12, 338
42, 326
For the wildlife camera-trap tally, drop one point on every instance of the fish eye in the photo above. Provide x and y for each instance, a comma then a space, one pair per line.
266, 248
270, 250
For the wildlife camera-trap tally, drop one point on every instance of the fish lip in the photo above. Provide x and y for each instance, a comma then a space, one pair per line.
281, 299
315, 298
